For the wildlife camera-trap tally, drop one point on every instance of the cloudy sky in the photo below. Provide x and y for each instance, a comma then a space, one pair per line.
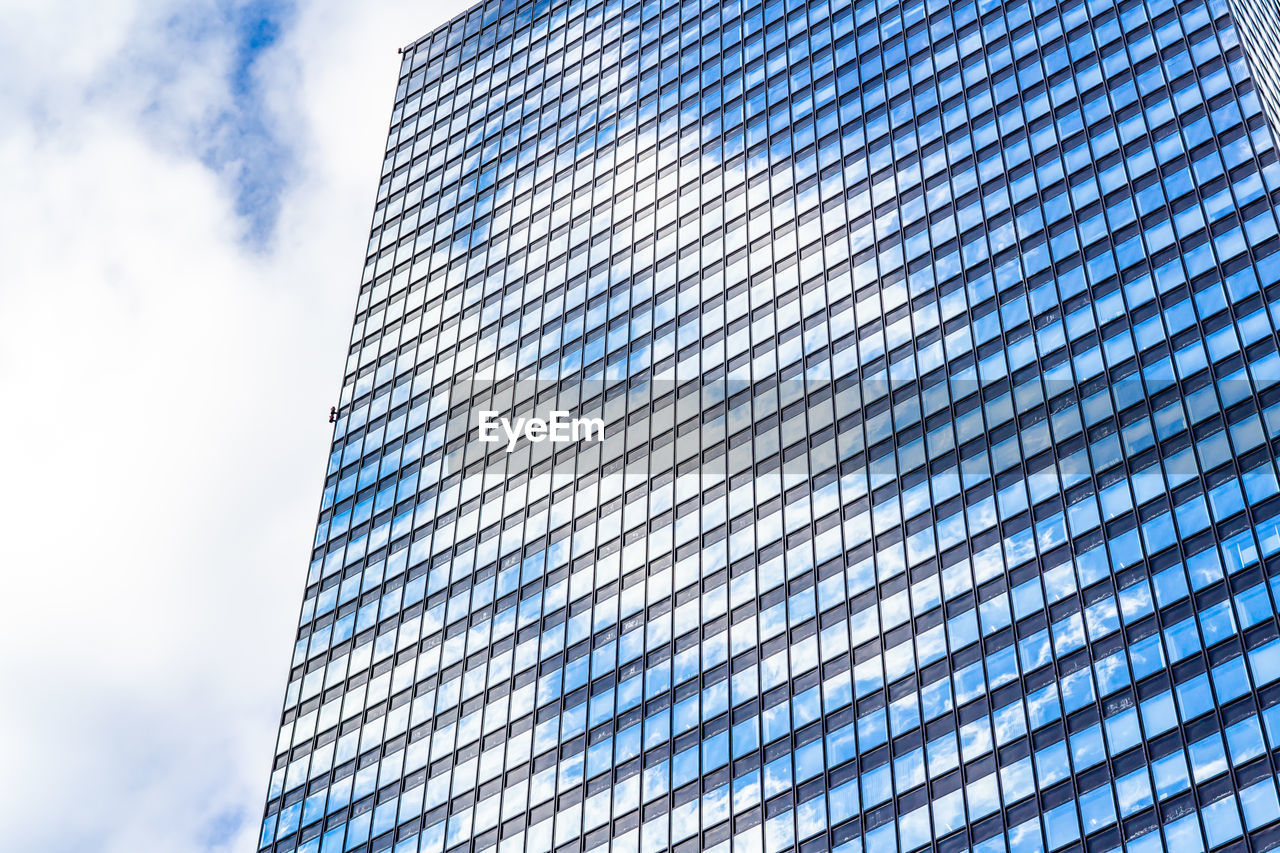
185, 192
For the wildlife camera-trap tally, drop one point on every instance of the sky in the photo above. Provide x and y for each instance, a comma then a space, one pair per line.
185, 194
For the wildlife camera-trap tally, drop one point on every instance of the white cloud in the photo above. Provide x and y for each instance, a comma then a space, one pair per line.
166, 385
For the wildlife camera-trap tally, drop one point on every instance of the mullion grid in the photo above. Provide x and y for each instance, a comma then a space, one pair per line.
753, 342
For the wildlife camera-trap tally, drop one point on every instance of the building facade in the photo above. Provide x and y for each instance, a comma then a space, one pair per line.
1259, 25
934, 347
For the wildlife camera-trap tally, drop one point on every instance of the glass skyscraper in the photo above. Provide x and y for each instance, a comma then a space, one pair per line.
933, 347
